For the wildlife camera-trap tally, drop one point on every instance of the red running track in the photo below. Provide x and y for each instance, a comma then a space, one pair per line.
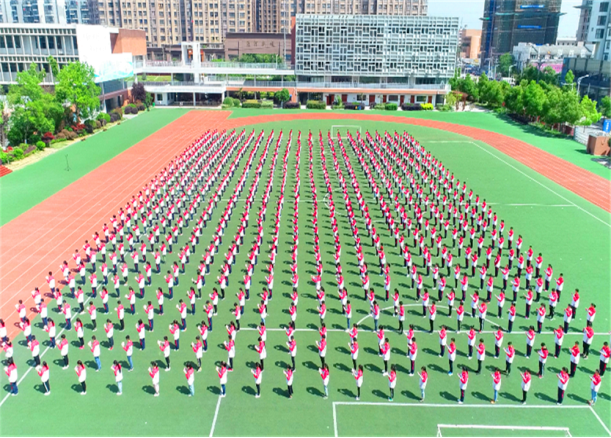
99, 194
65, 220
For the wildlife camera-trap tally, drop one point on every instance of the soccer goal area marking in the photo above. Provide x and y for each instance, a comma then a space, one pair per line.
476, 430
535, 424
343, 129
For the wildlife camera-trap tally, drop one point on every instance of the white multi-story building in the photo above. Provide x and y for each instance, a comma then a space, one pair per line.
526, 54
110, 51
595, 26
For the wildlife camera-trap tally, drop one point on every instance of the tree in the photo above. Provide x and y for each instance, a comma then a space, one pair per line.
589, 113
569, 78
469, 87
148, 102
138, 92
494, 93
534, 99
54, 67
482, 84
76, 87
552, 110
506, 60
514, 99
605, 107
282, 96
570, 107
34, 110
549, 76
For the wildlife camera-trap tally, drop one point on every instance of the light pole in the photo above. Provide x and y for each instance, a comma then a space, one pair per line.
579, 82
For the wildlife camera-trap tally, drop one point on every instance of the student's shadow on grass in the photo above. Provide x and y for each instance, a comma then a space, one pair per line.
446, 395
410, 395
379, 394
280, 392
373, 368
480, 396
313, 348
310, 365
315, 391
248, 390
281, 364
370, 350
577, 398
437, 368
281, 348
148, 389
430, 351
342, 350
77, 388
341, 367
214, 390
510, 396
544, 397
346, 392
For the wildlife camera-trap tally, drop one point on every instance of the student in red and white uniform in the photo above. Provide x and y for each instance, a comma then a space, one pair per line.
575, 302
288, 373
182, 309
498, 342
541, 311
530, 341
591, 314
260, 348
120, 314
460, 314
164, 346
558, 339
34, 347
543, 354
43, 372
575, 355
63, 350
424, 378
510, 354
496, 384
154, 373
588, 337
451, 356
175, 331
81, 372
563, 383
258, 375
413, 354
525, 384
117, 369
230, 347
128, 346
605, 353
595, 386
511, 317
21, 310
392, 382
324, 374
568, 317
463, 377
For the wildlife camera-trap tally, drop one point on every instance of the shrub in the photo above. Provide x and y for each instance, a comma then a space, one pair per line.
391, 106
411, 107
292, 105
6, 158
114, 117
119, 112
40, 145
267, 104
316, 104
103, 116
224, 106
47, 137
141, 107
98, 124
251, 104
228, 102
18, 154
337, 105
380, 106
131, 105
71, 135
59, 137
445, 108
236, 101
23, 146
427, 106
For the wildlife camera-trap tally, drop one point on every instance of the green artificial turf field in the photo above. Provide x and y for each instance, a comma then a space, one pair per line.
26, 187
572, 234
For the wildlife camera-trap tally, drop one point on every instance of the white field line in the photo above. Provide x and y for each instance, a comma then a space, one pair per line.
216, 413
58, 335
600, 421
491, 426
541, 184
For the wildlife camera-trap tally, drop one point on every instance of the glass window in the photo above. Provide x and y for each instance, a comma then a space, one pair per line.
604, 7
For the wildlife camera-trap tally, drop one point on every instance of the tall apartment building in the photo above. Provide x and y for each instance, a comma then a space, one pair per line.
47, 11
273, 16
174, 21
509, 22
595, 26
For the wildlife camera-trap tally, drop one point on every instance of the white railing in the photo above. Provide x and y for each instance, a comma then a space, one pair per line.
246, 65
181, 83
389, 86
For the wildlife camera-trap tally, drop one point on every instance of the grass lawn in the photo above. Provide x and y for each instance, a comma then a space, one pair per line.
26, 187
568, 235
566, 149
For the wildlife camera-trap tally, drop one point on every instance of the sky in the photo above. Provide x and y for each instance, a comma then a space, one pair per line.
471, 10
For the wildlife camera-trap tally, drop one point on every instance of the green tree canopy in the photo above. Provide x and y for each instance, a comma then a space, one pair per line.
534, 99
282, 96
590, 114
506, 60
570, 107
76, 87
605, 106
